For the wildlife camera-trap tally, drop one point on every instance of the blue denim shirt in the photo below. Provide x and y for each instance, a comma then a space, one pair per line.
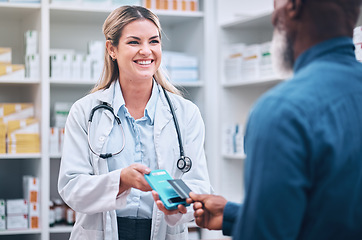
303, 172
139, 148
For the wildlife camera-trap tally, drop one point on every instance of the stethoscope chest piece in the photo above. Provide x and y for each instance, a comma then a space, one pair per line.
184, 164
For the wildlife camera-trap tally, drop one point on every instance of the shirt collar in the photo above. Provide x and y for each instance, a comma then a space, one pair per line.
118, 100
150, 110
327, 48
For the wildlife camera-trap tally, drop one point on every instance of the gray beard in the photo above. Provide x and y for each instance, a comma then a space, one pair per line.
282, 54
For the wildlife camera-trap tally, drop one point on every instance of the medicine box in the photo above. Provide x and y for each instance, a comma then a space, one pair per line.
17, 222
12, 71
34, 215
54, 141
31, 188
2, 207
25, 140
16, 207
5, 55
2, 137
32, 66
2, 223
31, 42
10, 108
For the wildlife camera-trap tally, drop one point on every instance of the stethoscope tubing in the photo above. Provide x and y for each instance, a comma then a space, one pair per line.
107, 107
183, 160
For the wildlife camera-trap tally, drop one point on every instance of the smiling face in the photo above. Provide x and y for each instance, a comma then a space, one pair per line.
138, 53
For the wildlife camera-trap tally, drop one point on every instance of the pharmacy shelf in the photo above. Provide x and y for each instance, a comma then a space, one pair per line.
21, 156
19, 81
72, 82
257, 82
20, 232
249, 22
189, 84
16, 11
67, 26
94, 14
55, 156
61, 229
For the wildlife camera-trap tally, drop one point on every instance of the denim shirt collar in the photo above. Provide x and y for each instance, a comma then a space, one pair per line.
324, 49
150, 109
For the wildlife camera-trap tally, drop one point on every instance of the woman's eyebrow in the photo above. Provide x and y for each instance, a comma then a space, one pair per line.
137, 38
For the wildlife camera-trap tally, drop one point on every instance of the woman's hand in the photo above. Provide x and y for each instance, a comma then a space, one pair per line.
133, 177
180, 208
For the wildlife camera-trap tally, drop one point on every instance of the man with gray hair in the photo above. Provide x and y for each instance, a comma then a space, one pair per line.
303, 172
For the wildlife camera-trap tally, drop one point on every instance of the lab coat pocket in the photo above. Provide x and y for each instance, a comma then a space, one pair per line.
91, 234
178, 232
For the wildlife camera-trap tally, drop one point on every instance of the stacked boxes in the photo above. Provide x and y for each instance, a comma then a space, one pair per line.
176, 5
32, 58
24, 139
31, 194
16, 214
5, 55
22, 129
2, 138
180, 67
59, 116
9, 71
56, 140
248, 62
233, 61
66, 64
2, 215
96, 55
22, 213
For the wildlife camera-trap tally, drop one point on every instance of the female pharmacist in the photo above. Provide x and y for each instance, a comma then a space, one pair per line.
124, 129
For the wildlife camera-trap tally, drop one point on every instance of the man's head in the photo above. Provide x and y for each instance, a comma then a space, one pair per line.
300, 24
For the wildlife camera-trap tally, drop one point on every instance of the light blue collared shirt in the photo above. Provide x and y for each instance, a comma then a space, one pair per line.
139, 148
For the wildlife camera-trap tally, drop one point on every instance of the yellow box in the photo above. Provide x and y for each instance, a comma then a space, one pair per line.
13, 125
12, 71
7, 109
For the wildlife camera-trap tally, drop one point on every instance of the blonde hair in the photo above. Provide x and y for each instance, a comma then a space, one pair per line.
112, 30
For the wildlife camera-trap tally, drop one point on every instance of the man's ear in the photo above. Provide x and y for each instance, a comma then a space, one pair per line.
294, 8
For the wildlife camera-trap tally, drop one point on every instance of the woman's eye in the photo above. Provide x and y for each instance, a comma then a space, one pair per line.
155, 41
133, 42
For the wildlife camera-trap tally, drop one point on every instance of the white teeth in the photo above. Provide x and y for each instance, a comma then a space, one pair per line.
144, 62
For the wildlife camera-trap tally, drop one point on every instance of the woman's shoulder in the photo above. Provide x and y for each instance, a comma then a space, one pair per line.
182, 102
87, 101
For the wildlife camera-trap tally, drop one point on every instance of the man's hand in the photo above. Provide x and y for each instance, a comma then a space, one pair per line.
209, 210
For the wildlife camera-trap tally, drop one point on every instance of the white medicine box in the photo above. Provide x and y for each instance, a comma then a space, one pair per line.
31, 188
2, 207
16, 207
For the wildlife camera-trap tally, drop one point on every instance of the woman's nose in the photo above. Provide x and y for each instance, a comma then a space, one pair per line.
145, 50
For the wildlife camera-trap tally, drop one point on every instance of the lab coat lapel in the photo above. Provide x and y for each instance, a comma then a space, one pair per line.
102, 124
163, 117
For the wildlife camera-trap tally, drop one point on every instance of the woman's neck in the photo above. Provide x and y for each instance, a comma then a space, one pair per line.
136, 96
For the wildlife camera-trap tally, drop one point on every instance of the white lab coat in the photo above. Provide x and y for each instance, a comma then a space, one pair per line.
87, 186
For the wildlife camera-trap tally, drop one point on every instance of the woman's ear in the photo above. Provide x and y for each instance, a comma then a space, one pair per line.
111, 49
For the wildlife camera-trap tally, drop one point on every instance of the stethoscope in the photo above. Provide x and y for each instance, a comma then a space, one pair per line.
184, 163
